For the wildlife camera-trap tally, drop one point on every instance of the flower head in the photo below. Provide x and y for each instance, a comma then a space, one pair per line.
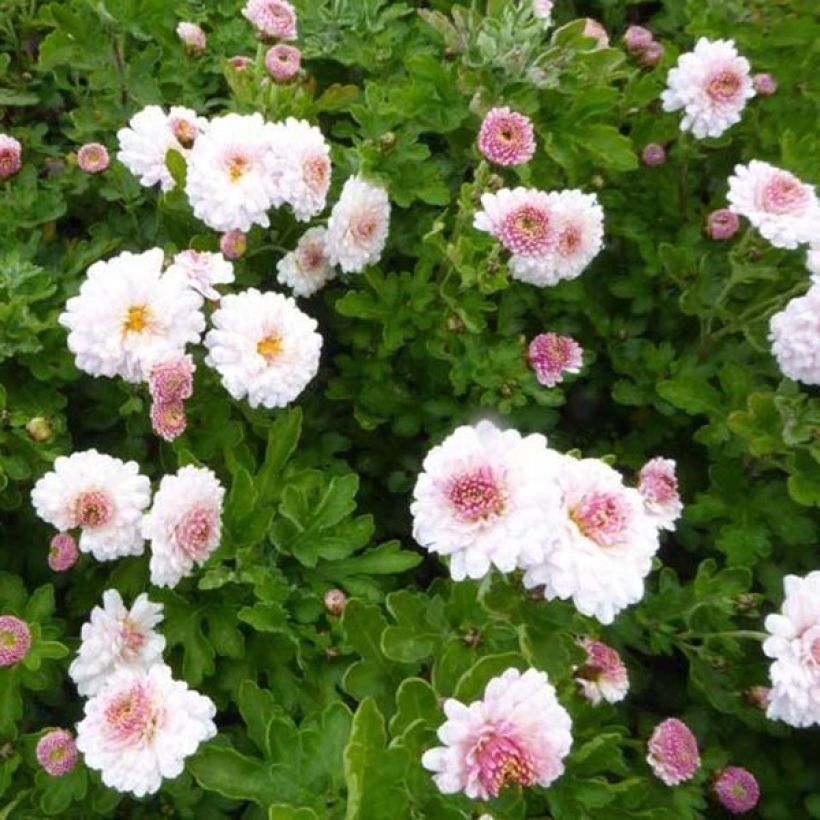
239, 62
15, 640
192, 37
283, 62
765, 85
603, 676
93, 158
595, 31
651, 55
168, 419
141, 726
99, 494
307, 269
551, 355
673, 752
722, 224
736, 789
794, 334
658, 485
335, 601
637, 38
522, 219
653, 155
172, 380
11, 156
63, 552
202, 271
711, 85
542, 10
272, 18
517, 734
57, 752
506, 137
233, 244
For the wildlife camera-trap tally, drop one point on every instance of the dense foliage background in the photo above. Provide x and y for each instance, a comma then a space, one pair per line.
326, 716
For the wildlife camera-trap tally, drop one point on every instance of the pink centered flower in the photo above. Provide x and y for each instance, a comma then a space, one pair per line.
283, 62
57, 752
171, 381
93, 158
168, 420
602, 517
131, 716
551, 356
673, 752
603, 676
476, 496
502, 762
658, 485
233, 244
653, 155
764, 84
722, 224
92, 509
15, 640
63, 552
11, 156
736, 789
506, 137
637, 38
784, 193
527, 230
272, 18
194, 533
725, 84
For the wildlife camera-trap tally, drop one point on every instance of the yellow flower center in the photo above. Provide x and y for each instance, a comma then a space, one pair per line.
136, 319
237, 167
269, 348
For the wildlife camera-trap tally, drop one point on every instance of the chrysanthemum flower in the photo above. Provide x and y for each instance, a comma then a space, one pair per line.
722, 224
603, 540
506, 137
637, 38
233, 244
184, 524
358, 226
283, 62
99, 494
517, 734
651, 55
172, 380
653, 155
658, 485
522, 219
11, 156
232, 179
117, 638
57, 752
15, 640
551, 356
192, 37
168, 419
482, 500
263, 347
711, 84
128, 315
93, 158
673, 752
603, 676
785, 210
272, 18
736, 789
307, 269
795, 647
239, 62
63, 552
765, 84
150, 134
794, 333
140, 728
202, 271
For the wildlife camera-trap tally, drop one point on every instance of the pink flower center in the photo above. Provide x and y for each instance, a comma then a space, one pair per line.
132, 639
237, 166
723, 86
527, 230
501, 762
477, 495
184, 131
784, 194
195, 531
9, 161
92, 509
311, 257
364, 228
570, 240
131, 716
316, 170
601, 517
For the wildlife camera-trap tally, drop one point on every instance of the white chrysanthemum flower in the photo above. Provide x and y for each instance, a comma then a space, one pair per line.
263, 347
129, 315
483, 501
542, 9
795, 336
307, 269
150, 134
140, 728
813, 263
302, 154
578, 221
99, 494
117, 638
201, 271
233, 179
518, 734
785, 210
604, 540
711, 84
658, 485
795, 646
603, 676
522, 219
184, 524
358, 226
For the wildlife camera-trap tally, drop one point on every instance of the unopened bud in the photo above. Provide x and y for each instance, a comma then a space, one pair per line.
335, 601
39, 429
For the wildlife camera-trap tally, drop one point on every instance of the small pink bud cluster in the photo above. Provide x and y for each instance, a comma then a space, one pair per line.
283, 62
63, 552
640, 42
170, 383
233, 244
57, 752
736, 789
93, 158
192, 37
722, 224
15, 640
11, 156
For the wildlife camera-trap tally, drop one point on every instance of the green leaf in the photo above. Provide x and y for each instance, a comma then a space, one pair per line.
225, 771
257, 707
472, 683
177, 166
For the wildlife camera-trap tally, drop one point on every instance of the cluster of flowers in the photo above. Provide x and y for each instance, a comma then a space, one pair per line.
489, 497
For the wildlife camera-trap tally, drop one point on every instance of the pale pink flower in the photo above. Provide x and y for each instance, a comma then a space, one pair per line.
722, 224
653, 155
736, 789
169, 420
172, 380
518, 734
240, 62
658, 485
594, 30
202, 271
765, 84
551, 356
63, 552
192, 37
542, 10
651, 55
335, 601
57, 752
673, 752
15, 640
272, 18
637, 38
11, 156
522, 219
603, 676
283, 62
794, 333
233, 244
506, 137
93, 158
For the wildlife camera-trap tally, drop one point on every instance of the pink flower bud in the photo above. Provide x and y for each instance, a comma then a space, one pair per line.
722, 224
593, 29
233, 244
764, 84
15, 640
240, 62
63, 552
57, 752
93, 158
272, 18
651, 55
171, 381
637, 38
653, 155
736, 789
335, 601
673, 752
192, 37
283, 62
11, 156
551, 356
168, 420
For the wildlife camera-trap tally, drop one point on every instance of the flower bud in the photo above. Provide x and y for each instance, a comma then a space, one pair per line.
651, 55
93, 158
233, 244
764, 84
283, 62
335, 601
11, 156
653, 155
192, 37
637, 38
722, 224
39, 429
